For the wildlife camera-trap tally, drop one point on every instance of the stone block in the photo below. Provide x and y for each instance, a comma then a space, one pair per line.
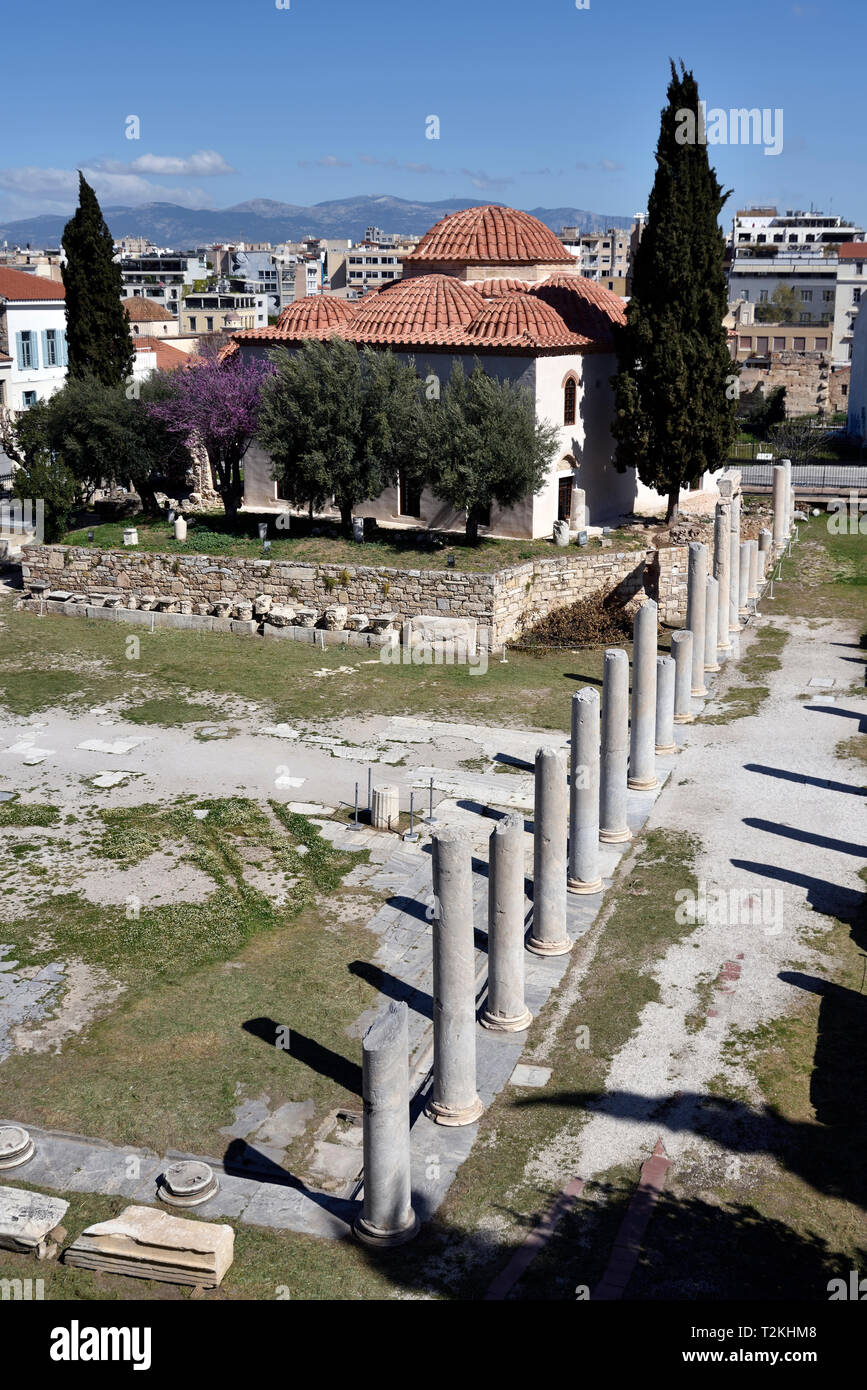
245, 627
145, 1243
29, 1222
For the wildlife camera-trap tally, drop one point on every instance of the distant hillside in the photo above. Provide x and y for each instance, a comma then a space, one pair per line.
262, 219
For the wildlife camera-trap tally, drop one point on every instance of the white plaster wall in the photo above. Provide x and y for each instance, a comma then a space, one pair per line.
33, 318
857, 417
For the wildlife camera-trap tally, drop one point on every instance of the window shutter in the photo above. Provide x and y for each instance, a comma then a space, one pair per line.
19, 340
46, 360
34, 348
62, 355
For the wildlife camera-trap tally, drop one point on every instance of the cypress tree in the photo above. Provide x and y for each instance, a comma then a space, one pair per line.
98, 337
674, 402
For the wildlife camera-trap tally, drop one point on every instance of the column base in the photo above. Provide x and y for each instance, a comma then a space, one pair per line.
684, 719
723, 647
664, 748
384, 1240
698, 694
448, 1115
734, 627
548, 948
614, 837
708, 670
581, 885
642, 784
743, 612
497, 1023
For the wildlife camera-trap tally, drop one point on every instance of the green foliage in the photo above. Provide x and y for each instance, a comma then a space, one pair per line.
674, 419
484, 443
21, 813
47, 478
767, 413
339, 423
97, 328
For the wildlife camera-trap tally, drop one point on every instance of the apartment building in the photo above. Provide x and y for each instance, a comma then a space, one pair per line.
378, 260
32, 338
851, 283
799, 252
162, 276
214, 311
601, 256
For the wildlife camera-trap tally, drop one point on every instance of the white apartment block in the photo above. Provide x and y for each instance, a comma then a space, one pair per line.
161, 276
32, 338
602, 256
801, 251
851, 287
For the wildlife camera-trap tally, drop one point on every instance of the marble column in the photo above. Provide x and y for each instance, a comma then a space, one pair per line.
454, 1099
505, 1011
753, 579
550, 822
711, 618
722, 570
734, 566
681, 646
665, 673
696, 597
583, 876
780, 503
744, 578
387, 1217
613, 825
642, 771
790, 497
765, 552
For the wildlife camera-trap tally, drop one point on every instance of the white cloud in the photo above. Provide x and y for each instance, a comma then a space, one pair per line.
34, 190
479, 179
202, 164
325, 161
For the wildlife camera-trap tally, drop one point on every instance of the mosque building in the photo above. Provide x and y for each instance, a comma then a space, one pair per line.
497, 285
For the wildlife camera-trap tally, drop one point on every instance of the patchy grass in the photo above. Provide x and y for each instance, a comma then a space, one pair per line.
167, 1066
854, 748
385, 547
47, 662
763, 657
826, 574
27, 814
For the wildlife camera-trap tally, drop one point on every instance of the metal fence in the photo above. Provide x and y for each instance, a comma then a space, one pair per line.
813, 477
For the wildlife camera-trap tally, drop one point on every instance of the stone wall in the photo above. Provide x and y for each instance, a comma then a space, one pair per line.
810, 382
498, 603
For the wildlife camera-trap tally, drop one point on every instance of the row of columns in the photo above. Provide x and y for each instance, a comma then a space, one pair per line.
572, 816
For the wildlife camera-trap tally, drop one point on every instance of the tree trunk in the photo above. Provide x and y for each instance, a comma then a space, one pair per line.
673, 505
345, 518
473, 515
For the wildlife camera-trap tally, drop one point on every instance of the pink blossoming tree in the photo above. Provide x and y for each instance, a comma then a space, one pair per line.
216, 404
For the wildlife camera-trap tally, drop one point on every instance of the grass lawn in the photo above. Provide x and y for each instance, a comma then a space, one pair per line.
51, 661
209, 534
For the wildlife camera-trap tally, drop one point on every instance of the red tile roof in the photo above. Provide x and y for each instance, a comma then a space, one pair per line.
523, 319
168, 357
411, 311
489, 235
585, 306
564, 312
17, 284
494, 288
139, 309
853, 251
315, 313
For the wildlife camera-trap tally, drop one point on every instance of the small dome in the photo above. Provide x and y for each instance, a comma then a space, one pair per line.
317, 313
416, 310
496, 288
490, 235
585, 306
519, 316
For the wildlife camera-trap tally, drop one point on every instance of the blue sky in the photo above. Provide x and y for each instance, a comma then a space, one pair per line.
539, 104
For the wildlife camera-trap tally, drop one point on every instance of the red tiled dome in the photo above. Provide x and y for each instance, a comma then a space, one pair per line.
490, 235
315, 314
520, 317
496, 288
585, 306
419, 310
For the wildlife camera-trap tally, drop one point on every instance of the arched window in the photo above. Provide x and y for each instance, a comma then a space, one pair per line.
569, 396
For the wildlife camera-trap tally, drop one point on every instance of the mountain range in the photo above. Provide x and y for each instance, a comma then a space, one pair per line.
262, 219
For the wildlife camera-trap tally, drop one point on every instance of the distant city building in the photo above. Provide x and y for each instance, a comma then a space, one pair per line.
857, 415
134, 246
213, 311
799, 252
33, 354
851, 286
43, 261
162, 276
602, 256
